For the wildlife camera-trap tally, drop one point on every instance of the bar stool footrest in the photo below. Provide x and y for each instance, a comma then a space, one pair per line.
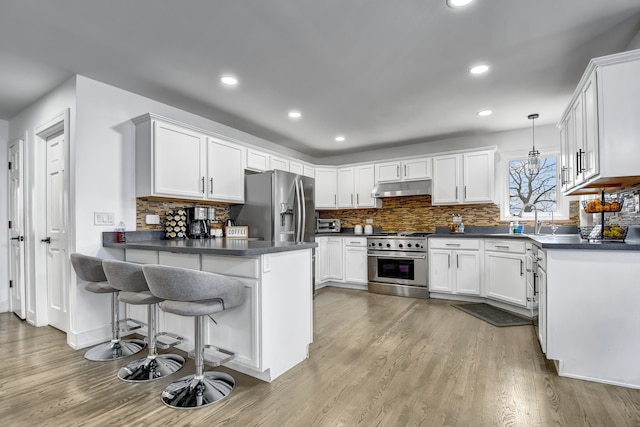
176, 340
223, 356
125, 326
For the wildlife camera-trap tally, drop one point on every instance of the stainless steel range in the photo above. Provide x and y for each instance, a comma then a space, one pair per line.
397, 264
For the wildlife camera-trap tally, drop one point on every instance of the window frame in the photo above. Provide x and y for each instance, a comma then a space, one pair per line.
562, 211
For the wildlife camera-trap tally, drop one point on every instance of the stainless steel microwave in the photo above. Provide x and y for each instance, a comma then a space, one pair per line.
327, 225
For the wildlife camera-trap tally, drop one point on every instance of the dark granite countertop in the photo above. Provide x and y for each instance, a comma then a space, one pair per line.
563, 239
152, 241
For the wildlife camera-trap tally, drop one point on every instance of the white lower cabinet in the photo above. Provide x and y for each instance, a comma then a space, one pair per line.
455, 266
355, 260
335, 264
505, 272
341, 259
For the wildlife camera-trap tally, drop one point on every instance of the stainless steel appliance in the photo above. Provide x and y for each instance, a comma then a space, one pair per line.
397, 265
199, 222
279, 206
327, 225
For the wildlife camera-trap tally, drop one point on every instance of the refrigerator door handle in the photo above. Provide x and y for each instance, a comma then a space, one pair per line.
298, 211
304, 212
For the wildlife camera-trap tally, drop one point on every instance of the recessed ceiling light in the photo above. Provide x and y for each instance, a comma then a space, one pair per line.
340, 138
229, 80
295, 114
458, 3
484, 113
479, 69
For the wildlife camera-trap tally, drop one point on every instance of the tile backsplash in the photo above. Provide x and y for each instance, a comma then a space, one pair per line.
415, 213
158, 206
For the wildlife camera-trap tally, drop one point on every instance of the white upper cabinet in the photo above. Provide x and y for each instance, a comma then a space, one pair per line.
308, 171
295, 167
406, 170
178, 161
257, 161
463, 178
354, 187
279, 163
326, 188
600, 130
225, 171
346, 196
364, 181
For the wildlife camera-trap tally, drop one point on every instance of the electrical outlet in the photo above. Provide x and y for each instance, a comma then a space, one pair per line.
152, 219
103, 218
266, 264
369, 220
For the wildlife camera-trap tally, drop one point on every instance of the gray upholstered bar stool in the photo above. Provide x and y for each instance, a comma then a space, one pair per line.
198, 294
90, 269
129, 279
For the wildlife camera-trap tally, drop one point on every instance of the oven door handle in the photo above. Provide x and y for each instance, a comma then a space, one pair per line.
397, 257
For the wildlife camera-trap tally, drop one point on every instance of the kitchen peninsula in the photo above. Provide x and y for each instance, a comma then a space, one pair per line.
271, 331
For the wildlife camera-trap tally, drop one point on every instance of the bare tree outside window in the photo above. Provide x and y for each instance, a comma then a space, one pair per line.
538, 188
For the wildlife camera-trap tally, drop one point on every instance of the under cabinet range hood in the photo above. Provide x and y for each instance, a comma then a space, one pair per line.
404, 188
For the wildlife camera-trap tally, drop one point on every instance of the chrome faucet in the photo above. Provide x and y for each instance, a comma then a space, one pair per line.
537, 224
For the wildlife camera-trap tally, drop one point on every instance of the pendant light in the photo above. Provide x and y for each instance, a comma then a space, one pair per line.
533, 163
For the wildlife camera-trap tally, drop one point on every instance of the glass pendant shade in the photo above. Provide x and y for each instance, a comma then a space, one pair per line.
533, 162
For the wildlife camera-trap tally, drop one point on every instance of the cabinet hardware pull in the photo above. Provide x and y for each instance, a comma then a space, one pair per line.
521, 268
577, 164
351, 199
335, 199
456, 192
452, 244
358, 199
448, 260
581, 153
457, 261
398, 171
405, 170
211, 186
203, 185
465, 191
502, 246
535, 288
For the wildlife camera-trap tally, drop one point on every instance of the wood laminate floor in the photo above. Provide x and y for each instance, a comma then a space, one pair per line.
376, 360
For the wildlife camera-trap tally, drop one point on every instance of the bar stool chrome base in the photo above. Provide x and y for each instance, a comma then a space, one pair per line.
151, 368
192, 392
114, 350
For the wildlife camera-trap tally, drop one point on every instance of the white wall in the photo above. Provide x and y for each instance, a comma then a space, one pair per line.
4, 244
39, 113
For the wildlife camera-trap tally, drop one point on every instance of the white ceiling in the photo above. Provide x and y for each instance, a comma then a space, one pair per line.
381, 72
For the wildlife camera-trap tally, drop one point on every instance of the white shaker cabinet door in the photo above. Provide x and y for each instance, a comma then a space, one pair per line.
446, 172
226, 171
326, 188
178, 161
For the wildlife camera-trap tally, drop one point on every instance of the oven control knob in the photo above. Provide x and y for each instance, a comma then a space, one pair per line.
388, 245
418, 245
379, 244
409, 245
400, 245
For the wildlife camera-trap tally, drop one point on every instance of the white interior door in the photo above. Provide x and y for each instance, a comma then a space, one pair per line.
57, 257
16, 229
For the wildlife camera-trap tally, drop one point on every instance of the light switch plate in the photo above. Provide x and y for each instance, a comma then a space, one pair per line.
103, 218
152, 219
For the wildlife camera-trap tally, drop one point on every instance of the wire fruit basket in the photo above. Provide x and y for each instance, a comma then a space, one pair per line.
612, 233
597, 205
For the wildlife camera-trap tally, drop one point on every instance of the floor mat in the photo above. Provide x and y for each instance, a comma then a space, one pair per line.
493, 315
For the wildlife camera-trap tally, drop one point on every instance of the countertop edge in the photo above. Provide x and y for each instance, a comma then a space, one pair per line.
155, 246
540, 241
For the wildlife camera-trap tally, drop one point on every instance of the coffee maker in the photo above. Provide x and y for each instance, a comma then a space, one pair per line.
199, 222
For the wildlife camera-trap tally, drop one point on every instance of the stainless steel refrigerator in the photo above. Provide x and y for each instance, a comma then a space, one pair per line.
279, 206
